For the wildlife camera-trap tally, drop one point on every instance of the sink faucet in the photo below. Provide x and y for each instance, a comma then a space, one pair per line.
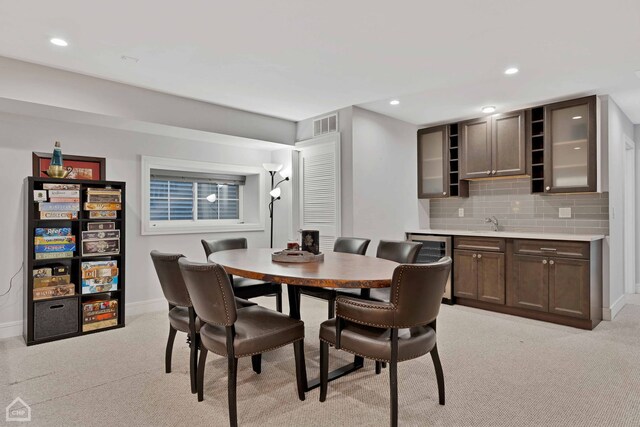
494, 222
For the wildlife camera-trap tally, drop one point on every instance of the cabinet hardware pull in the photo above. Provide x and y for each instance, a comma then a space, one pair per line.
548, 188
548, 249
488, 172
479, 256
552, 262
444, 193
544, 261
493, 172
475, 255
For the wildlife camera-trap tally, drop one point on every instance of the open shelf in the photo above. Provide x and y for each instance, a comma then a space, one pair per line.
536, 147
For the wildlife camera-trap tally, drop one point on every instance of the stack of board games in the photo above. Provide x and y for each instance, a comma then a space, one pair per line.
99, 276
101, 239
50, 282
54, 242
58, 201
99, 314
103, 203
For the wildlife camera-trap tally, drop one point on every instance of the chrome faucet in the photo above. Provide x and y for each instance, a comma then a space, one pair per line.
494, 222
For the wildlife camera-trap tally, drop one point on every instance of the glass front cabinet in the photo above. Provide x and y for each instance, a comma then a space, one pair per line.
433, 182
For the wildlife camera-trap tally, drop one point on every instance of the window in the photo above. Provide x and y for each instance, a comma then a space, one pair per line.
185, 197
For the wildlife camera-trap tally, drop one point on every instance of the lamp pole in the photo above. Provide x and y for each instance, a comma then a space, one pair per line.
275, 195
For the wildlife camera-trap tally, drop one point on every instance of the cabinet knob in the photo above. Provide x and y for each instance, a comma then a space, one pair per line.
544, 261
548, 188
551, 262
444, 193
475, 255
488, 172
479, 256
493, 172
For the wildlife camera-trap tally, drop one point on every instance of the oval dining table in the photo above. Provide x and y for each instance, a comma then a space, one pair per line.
337, 270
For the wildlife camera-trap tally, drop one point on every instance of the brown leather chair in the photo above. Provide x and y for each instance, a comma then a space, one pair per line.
182, 316
237, 333
348, 245
244, 288
400, 251
395, 331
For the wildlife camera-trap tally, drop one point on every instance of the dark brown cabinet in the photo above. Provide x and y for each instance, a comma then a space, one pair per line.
465, 274
433, 168
479, 269
569, 287
493, 146
491, 277
530, 285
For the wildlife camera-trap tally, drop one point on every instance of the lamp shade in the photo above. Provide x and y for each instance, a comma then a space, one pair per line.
211, 198
286, 173
275, 193
272, 167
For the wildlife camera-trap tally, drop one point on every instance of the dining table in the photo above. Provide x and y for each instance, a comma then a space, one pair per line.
336, 270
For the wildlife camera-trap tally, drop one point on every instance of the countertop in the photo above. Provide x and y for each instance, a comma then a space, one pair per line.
512, 234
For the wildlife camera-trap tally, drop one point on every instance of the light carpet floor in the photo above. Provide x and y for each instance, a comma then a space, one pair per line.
499, 371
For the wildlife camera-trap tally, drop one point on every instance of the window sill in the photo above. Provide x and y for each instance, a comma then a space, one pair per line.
192, 229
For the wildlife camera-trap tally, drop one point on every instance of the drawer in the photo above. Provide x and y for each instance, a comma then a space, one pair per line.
552, 248
55, 318
479, 243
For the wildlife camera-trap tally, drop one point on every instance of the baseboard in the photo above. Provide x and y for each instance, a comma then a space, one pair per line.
11, 329
612, 312
637, 288
14, 329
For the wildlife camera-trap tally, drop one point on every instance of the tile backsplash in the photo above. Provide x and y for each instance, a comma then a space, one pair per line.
511, 201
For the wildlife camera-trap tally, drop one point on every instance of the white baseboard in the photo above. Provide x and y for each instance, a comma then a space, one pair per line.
612, 312
11, 329
14, 329
637, 288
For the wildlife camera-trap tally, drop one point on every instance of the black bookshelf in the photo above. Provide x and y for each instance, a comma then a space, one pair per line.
74, 263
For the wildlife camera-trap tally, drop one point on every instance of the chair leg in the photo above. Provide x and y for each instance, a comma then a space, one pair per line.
332, 308
232, 374
324, 370
169, 350
279, 302
200, 380
439, 374
301, 369
393, 385
256, 363
193, 362
378, 367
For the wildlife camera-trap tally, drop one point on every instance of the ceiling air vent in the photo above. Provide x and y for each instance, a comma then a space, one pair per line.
325, 125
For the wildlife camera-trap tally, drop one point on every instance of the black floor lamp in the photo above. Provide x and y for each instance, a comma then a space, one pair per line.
274, 168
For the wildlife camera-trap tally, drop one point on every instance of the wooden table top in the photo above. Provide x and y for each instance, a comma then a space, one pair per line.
338, 270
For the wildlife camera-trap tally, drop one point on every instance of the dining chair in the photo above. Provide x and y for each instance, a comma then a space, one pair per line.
395, 331
348, 245
234, 333
182, 316
400, 251
243, 287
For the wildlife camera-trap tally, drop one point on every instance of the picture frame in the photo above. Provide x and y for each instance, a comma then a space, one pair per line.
85, 167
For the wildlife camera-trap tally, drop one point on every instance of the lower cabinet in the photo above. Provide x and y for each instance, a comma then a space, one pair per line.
479, 275
529, 287
569, 287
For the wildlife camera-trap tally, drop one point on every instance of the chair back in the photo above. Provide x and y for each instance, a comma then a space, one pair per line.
351, 245
211, 246
416, 292
211, 292
170, 276
399, 251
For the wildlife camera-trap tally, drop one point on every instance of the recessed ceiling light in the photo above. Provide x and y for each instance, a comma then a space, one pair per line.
576, 117
59, 42
511, 70
488, 109
394, 102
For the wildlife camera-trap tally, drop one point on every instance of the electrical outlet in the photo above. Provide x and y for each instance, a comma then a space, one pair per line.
461, 212
564, 213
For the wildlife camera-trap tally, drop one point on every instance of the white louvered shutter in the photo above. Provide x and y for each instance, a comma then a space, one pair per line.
319, 189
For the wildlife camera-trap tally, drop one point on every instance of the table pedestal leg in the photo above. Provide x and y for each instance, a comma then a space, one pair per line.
294, 312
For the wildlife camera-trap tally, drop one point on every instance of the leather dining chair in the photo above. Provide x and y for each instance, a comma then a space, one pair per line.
348, 245
182, 316
400, 251
395, 331
235, 333
243, 287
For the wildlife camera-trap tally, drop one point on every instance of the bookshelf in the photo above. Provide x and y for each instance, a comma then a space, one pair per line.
537, 147
60, 317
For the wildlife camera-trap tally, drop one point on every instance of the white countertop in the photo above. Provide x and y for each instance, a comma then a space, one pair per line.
511, 234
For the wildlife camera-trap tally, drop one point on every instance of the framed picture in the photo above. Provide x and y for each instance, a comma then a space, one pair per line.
83, 167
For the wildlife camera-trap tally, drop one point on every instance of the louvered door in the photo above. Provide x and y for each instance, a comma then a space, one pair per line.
319, 188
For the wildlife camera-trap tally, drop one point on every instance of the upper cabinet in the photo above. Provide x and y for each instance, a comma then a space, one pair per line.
493, 146
570, 147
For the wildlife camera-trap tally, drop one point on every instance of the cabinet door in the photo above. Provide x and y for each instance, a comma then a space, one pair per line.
491, 277
530, 285
465, 274
569, 287
476, 148
508, 144
433, 165
570, 146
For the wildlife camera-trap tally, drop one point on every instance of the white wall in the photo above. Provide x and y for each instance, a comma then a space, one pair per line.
38, 84
385, 202
637, 139
21, 135
616, 125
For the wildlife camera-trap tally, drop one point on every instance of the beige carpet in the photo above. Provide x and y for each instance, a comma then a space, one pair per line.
499, 371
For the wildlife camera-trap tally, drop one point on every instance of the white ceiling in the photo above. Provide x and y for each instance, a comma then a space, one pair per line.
296, 59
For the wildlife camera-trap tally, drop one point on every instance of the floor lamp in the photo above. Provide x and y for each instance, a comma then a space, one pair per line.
273, 169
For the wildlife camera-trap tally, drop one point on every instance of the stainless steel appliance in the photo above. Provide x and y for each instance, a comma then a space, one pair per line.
434, 248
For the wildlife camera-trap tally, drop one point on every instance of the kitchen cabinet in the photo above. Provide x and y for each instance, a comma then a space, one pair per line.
530, 285
465, 274
569, 287
493, 146
479, 269
433, 175
570, 147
